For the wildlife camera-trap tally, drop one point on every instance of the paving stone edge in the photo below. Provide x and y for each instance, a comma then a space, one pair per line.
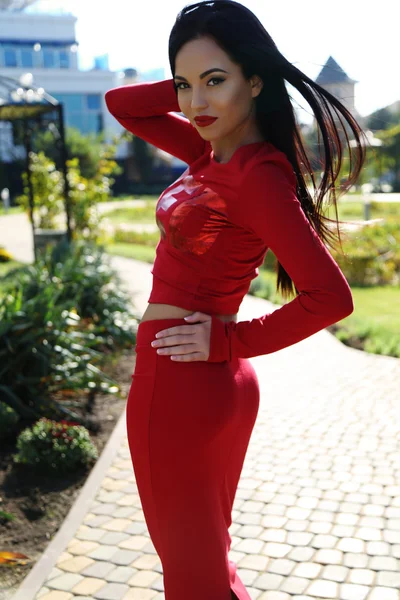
36, 577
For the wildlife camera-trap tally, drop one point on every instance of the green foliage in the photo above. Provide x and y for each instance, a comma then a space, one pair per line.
264, 286
133, 214
371, 254
375, 324
47, 184
373, 338
390, 152
382, 119
87, 148
146, 238
349, 210
86, 193
136, 251
60, 319
8, 420
55, 447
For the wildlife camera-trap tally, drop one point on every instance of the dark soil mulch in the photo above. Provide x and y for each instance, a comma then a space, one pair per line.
40, 503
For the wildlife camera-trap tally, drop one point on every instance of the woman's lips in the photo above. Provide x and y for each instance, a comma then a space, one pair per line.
204, 122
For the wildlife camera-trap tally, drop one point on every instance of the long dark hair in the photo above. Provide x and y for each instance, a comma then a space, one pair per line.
243, 37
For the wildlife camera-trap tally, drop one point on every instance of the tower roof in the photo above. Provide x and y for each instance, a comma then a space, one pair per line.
333, 73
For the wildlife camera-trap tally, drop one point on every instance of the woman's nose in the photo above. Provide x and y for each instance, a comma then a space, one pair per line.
198, 100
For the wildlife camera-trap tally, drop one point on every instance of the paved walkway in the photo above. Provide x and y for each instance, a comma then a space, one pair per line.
317, 510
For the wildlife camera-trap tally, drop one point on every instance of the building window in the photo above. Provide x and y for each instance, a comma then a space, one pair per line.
82, 111
64, 59
93, 101
10, 58
49, 59
26, 58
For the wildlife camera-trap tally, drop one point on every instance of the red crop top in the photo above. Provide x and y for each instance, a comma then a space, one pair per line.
217, 221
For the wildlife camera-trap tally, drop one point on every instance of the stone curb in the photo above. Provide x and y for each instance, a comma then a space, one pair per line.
35, 579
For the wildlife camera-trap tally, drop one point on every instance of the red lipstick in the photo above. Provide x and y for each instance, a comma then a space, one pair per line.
204, 121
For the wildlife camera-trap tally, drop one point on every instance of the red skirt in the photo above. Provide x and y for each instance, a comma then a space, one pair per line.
189, 426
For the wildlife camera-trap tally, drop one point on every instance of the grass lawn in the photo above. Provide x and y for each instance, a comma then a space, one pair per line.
348, 210
139, 214
381, 302
353, 210
11, 211
137, 251
375, 322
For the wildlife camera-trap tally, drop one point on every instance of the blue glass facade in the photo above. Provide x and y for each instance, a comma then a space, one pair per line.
82, 111
20, 54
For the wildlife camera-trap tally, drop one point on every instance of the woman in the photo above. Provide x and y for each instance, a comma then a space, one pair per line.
194, 395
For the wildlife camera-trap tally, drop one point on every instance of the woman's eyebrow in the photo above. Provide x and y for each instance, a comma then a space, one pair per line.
203, 74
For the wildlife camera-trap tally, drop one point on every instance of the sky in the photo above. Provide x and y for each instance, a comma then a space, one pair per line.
362, 37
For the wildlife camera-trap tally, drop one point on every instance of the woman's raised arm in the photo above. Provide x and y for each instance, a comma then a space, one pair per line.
145, 110
274, 213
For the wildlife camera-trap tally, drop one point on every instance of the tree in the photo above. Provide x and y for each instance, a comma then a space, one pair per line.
391, 152
382, 119
143, 153
86, 148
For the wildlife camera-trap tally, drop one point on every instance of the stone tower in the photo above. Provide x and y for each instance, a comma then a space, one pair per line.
339, 84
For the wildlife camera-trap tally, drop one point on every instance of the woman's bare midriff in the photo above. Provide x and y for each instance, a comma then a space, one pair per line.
168, 311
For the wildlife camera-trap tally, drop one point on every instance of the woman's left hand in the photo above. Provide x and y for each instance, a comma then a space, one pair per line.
186, 342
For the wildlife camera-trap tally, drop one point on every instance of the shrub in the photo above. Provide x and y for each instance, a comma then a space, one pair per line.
264, 288
58, 318
47, 186
8, 420
371, 254
57, 447
84, 193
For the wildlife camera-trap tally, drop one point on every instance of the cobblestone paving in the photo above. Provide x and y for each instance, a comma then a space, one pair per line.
317, 510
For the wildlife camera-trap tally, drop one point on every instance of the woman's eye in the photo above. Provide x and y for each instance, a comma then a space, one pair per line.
218, 79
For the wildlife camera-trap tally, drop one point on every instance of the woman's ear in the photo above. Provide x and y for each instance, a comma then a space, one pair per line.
256, 85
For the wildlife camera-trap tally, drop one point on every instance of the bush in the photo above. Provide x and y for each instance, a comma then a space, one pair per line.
47, 186
262, 287
371, 255
370, 336
84, 193
60, 320
57, 447
8, 420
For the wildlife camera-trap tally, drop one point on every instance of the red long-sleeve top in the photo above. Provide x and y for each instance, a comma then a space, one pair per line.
217, 221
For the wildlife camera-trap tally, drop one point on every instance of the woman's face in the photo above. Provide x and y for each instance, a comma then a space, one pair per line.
226, 95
